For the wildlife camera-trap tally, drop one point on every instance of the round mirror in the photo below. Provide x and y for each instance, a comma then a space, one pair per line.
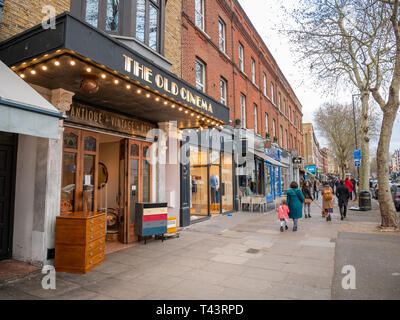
103, 175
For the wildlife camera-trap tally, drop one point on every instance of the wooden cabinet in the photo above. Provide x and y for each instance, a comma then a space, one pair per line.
80, 242
151, 219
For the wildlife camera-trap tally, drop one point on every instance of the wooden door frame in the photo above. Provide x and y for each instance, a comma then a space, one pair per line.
131, 235
80, 153
14, 144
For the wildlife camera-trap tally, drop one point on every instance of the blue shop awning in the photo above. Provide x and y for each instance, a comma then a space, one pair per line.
23, 110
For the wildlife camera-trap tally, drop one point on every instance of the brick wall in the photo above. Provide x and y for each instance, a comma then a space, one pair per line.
205, 46
173, 35
24, 14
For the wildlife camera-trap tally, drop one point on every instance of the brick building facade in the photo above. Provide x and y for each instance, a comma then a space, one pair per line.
270, 103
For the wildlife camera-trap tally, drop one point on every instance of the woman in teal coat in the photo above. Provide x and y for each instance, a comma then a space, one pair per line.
295, 201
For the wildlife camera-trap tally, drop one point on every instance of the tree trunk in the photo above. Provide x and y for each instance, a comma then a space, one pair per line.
365, 164
388, 210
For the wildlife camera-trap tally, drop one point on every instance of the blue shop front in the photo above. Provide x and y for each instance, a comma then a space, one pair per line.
276, 174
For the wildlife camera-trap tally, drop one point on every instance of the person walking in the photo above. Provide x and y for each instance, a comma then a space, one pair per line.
354, 183
307, 199
316, 189
327, 201
349, 185
283, 215
295, 200
343, 195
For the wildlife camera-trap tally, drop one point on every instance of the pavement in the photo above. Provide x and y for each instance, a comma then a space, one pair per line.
238, 257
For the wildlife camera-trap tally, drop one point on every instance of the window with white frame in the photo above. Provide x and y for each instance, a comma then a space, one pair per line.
281, 137
274, 128
199, 14
241, 57
222, 28
290, 113
286, 140
255, 119
272, 92
243, 109
200, 76
265, 83
280, 101
223, 91
253, 70
266, 123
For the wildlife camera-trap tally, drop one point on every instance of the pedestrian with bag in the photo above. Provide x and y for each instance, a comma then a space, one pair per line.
316, 189
350, 186
295, 200
343, 195
306, 190
327, 201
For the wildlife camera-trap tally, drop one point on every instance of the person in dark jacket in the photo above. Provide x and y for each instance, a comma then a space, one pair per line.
354, 182
306, 189
295, 201
343, 195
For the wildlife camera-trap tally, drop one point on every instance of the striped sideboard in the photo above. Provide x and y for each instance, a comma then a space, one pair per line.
151, 219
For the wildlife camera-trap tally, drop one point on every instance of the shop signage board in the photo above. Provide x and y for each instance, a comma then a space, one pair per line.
357, 163
94, 117
311, 169
112, 54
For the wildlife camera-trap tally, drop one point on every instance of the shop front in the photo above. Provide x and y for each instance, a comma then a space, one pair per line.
277, 174
122, 135
211, 173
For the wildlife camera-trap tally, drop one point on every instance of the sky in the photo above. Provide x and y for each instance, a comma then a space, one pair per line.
267, 16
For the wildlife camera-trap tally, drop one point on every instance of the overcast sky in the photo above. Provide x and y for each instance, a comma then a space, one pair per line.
267, 17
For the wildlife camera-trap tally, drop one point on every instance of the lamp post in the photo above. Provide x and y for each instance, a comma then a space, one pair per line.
355, 130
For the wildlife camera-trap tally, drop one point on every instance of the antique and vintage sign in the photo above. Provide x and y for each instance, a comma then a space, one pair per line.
86, 115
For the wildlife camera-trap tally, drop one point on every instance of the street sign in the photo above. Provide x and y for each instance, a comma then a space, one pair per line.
357, 163
311, 169
357, 155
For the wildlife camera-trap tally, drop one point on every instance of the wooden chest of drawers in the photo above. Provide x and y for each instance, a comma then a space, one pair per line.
80, 242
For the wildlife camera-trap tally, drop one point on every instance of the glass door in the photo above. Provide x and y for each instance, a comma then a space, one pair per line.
79, 171
139, 180
227, 182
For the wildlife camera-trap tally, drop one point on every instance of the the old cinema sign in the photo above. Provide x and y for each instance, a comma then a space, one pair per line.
162, 82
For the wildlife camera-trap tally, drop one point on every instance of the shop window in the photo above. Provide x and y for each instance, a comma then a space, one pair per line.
90, 144
199, 13
71, 141
134, 150
79, 179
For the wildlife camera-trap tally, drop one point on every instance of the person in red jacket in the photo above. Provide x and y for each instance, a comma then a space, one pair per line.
350, 186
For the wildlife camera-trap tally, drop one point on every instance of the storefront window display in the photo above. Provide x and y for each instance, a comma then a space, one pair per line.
211, 182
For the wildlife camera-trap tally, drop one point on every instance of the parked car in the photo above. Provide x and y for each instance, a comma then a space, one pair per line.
395, 190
